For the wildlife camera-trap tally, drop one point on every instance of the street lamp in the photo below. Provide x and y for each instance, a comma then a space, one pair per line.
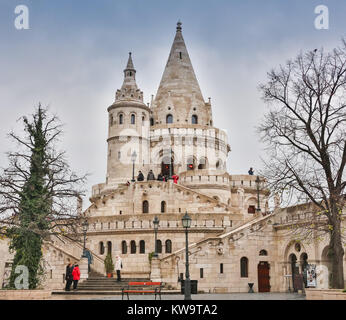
156, 222
133, 159
258, 181
186, 220
171, 166
85, 226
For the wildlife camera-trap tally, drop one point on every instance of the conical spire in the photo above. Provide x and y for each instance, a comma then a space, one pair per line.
129, 89
130, 63
179, 85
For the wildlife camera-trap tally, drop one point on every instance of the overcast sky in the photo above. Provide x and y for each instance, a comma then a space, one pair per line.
72, 59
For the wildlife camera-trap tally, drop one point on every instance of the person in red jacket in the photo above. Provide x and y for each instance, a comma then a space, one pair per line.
175, 178
76, 276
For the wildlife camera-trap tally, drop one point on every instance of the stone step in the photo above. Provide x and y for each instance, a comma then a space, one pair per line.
105, 292
123, 278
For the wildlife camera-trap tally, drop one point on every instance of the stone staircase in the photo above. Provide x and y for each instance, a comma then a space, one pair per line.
98, 284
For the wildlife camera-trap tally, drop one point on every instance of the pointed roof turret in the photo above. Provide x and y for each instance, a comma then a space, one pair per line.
130, 63
179, 86
129, 89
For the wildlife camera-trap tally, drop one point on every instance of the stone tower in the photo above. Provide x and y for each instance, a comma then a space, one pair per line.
183, 138
128, 130
179, 98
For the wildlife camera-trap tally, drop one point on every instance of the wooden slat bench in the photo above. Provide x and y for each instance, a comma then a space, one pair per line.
137, 287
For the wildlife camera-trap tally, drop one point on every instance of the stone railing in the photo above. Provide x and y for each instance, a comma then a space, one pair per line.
204, 177
96, 189
75, 250
246, 181
148, 224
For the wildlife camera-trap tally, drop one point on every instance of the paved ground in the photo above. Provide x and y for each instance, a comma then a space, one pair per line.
210, 296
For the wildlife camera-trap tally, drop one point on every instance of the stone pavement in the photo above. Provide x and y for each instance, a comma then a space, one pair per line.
206, 296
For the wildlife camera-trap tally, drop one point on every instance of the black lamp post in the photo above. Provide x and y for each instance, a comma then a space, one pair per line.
258, 181
156, 222
85, 226
170, 166
133, 159
186, 220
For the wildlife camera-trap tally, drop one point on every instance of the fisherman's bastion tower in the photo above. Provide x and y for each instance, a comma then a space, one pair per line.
234, 238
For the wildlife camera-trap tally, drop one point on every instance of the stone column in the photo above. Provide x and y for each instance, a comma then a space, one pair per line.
155, 272
83, 267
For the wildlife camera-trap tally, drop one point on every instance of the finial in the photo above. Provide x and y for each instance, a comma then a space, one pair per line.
179, 26
130, 54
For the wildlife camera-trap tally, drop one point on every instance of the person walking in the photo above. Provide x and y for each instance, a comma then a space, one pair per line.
118, 266
76, 276
68, 276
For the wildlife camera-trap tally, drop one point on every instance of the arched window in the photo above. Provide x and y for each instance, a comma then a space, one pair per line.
102, 248
142, 246
244, 267
133, 119
109, 247
169, 118
202, 163
145, 206
159, 246
251, 209
303, 260
151, 121
194, 119
163, 206
263, 253
121, 118
218, 164
190, 164
133, 246
168, 246
123, 247
111, 119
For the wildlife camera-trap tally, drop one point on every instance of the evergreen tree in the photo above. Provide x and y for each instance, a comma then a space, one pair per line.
35, 194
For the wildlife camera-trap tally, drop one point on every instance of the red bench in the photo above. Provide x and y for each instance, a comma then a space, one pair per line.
137, 287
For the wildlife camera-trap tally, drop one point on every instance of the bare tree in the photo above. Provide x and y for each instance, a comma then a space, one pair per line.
305, 132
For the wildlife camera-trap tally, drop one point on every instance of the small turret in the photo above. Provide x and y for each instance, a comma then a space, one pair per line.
128, 129
129, 89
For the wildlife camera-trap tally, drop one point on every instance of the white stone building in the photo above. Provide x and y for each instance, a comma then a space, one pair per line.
234, 239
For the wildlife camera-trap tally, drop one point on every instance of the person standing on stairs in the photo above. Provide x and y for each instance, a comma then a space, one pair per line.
118, 266
76, 276
68, 276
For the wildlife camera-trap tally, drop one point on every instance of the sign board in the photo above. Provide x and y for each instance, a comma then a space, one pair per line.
311, 276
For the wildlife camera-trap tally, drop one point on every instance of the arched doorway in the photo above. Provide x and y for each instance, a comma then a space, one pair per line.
263, 269
167, 166
109, 247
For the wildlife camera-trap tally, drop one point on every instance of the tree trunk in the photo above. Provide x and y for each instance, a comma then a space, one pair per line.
336, 254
